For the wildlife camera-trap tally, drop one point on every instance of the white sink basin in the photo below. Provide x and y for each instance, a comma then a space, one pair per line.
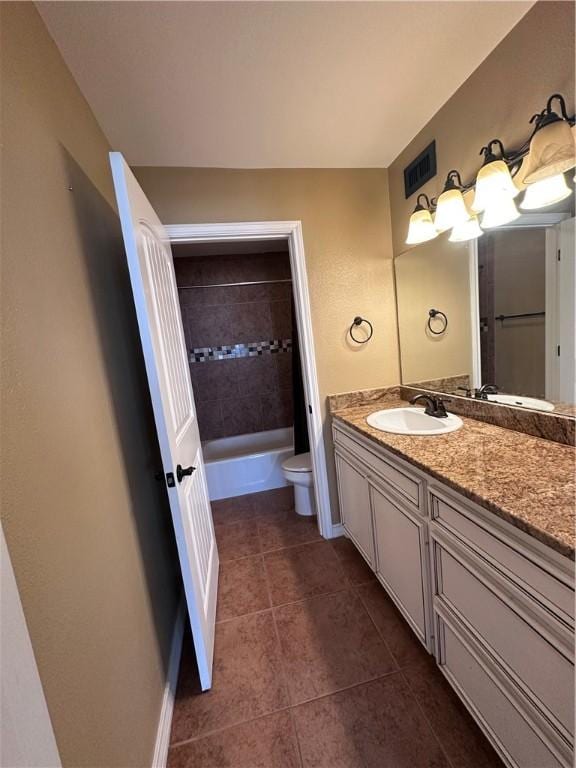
524, 402
412, 421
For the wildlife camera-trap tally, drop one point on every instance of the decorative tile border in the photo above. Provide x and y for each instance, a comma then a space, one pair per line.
234, 351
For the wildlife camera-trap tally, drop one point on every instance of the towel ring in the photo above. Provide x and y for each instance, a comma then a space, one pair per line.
358, 321
432, 313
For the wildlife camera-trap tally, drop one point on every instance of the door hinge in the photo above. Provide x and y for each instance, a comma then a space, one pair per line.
558, 350
310, 409
170, 482
558, 254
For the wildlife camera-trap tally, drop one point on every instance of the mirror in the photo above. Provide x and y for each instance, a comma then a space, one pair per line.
495, 311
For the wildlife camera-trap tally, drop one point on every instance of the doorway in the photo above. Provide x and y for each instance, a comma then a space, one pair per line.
243, 463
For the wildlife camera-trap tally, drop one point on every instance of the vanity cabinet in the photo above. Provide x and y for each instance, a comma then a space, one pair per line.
382, 505
401, 564
493, 604
354, 497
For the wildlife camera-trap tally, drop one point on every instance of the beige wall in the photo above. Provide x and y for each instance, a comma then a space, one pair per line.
86, 524
345, 219
535, 60
434, 276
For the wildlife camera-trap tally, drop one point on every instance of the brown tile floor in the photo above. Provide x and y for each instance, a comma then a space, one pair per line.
313, 665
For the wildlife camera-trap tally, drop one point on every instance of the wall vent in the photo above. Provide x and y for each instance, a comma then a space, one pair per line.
420, 170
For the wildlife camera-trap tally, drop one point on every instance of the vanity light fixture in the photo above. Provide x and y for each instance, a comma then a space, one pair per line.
451, 209
469, 230
545, 192
501, 211
421, 227
494, 179
552, 149
539, 163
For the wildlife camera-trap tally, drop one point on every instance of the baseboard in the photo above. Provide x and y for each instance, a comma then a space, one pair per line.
165, 722
337, 530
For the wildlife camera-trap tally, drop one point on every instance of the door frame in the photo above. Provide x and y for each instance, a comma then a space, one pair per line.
526, 221
291, 231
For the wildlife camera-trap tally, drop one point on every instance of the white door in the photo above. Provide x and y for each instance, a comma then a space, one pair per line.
160, 323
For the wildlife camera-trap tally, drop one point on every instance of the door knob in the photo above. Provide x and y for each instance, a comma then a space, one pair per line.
182, 472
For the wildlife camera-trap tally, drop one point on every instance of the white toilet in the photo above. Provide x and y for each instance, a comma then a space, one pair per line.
298, 471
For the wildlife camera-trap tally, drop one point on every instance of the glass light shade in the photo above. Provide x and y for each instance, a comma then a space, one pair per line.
545, 192
492, 181
450, 210
552, 151
500, 211
421, 228
470, 230
438, 231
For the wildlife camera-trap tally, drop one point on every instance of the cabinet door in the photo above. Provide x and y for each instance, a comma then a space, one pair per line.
399, 539
354, 495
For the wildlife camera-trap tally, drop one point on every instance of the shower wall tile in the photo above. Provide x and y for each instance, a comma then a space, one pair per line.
281, 319
241, 294
238, 396
277, 409
231, 269
210, 422
211, 326
241, 416
211, 383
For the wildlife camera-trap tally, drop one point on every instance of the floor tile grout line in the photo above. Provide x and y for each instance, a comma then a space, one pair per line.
259, 611
287, 708
283, 667
259, 554
295, 735
377, 628
244, 616
346, 688
401, 670
401, 666
288, 692
345, 588
341, 559
426, 718
293, 546
216, 731
262, 551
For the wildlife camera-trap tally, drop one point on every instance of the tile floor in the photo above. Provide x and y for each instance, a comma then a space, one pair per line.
313, 665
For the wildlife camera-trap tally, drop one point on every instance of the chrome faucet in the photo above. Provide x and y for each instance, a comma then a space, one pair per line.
434, 405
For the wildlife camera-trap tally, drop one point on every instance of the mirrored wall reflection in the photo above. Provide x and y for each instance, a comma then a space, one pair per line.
512, 297
435, 276
511, 323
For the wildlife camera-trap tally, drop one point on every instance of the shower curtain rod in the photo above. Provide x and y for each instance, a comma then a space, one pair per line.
231, 285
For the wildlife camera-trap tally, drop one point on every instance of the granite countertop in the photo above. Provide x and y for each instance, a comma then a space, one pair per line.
525, 480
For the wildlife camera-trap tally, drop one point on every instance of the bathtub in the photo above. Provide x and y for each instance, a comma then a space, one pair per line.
247, 463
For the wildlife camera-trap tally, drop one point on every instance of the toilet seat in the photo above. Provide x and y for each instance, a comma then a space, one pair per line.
302, 462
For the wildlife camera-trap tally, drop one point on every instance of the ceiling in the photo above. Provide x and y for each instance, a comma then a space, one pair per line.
272, 84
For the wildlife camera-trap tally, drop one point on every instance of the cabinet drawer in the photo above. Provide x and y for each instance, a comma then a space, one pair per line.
540, 668
519, 739
407, 486
549, 579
